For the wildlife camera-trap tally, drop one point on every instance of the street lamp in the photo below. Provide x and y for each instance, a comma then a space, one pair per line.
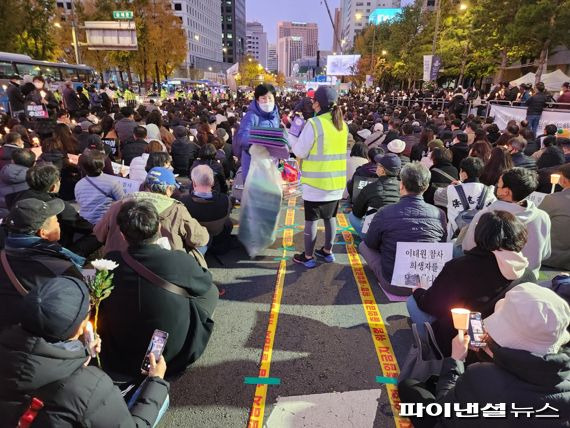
196, 37
209, 68
249, 59
358, 16
462, 6
384, 52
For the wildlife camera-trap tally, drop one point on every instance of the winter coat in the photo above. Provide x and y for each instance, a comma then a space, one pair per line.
475, 281
439, 180
183, 152
460, 151
137, 307
411, 141
384, 191
514, 376
32, 267
557, 206
537, 224
564, 98
410, 220
73, 395
57, 159
137, 168
12, 180
183, 232
254, 117
212, 213
523, 161
132, 149
537, 103
71, 100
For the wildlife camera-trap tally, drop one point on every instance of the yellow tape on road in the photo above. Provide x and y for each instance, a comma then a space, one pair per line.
380, 337
258, 407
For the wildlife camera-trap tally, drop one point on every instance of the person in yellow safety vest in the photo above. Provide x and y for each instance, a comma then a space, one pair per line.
163, 93
322, 147
129, 95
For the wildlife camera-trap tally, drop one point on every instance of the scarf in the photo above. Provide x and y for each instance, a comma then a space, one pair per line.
28, 241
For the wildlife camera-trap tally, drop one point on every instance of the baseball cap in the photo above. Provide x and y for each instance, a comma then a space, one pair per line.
161, 175
55, 309
396, 146
390, 162
29, 215
364, 133
530, 318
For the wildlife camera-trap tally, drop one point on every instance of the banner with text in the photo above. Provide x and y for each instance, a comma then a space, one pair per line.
503, 114
419, 263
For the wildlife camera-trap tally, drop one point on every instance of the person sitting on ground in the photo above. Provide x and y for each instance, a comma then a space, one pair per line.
409, 138
357, 158
126, 125
516, 149
410, 220
13, 178
207, 156
527, 362
184, 151
96, 191
514, 186
138, 305
33, 254
397, 147
557, 206
368, 170
12, 141
211, 210
442, 171
549, 163
137, 168
44, 182
471, 169
487, 271
384, 191
499, 162
134, 147
182, 231
46, 357
459, 149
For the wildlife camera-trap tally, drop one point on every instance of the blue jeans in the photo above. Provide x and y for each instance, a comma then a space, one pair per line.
533, 121
418, 316
356, 224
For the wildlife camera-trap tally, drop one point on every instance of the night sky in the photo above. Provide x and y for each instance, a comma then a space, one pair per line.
269, 12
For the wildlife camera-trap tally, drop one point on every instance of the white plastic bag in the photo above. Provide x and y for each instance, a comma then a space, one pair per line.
260, 203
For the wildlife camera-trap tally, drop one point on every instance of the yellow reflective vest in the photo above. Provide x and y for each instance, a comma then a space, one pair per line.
325, 167
129, 95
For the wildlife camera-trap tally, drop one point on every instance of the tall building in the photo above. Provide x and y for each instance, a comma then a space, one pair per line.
289, 49
309, 32
337, 36
233, 29
272, 64
355, 16
201, 21
257, 42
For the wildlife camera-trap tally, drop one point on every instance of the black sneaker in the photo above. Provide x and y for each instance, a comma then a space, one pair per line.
302, 260
322, 254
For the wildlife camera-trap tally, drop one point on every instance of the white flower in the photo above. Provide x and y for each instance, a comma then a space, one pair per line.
104, 264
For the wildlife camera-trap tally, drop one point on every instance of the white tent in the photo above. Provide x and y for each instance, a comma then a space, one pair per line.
526, 79
553, 81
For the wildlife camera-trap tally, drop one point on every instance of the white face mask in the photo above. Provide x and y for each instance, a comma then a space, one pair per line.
267, 107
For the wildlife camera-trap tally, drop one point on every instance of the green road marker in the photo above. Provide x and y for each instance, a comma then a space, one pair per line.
390, 380
262, 381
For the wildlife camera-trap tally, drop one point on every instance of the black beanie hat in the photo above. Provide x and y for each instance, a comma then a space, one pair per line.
263, 89
55, 309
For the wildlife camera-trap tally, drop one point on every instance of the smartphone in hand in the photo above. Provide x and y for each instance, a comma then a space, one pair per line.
156, 346
476, 331
89, 338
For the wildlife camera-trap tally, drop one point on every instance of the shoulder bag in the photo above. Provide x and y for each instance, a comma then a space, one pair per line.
424, 359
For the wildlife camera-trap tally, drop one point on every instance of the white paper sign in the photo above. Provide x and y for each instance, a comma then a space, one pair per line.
420, 262
537, 197
129, 186
117, 168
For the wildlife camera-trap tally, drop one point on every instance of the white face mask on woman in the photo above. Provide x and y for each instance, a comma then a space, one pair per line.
267, 107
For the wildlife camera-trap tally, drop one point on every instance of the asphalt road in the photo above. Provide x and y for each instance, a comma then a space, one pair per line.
323, 352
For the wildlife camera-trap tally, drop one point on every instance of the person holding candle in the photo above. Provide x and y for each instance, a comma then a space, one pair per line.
528, 353
475, 280
43, 96
557, 206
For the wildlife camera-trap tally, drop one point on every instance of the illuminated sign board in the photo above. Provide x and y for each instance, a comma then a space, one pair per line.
378, 16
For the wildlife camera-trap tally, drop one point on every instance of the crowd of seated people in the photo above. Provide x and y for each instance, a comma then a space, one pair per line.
408, 175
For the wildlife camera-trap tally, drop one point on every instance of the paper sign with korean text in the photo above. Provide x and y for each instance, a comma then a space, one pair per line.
117, 168
129, 186
37, 111
419, 263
